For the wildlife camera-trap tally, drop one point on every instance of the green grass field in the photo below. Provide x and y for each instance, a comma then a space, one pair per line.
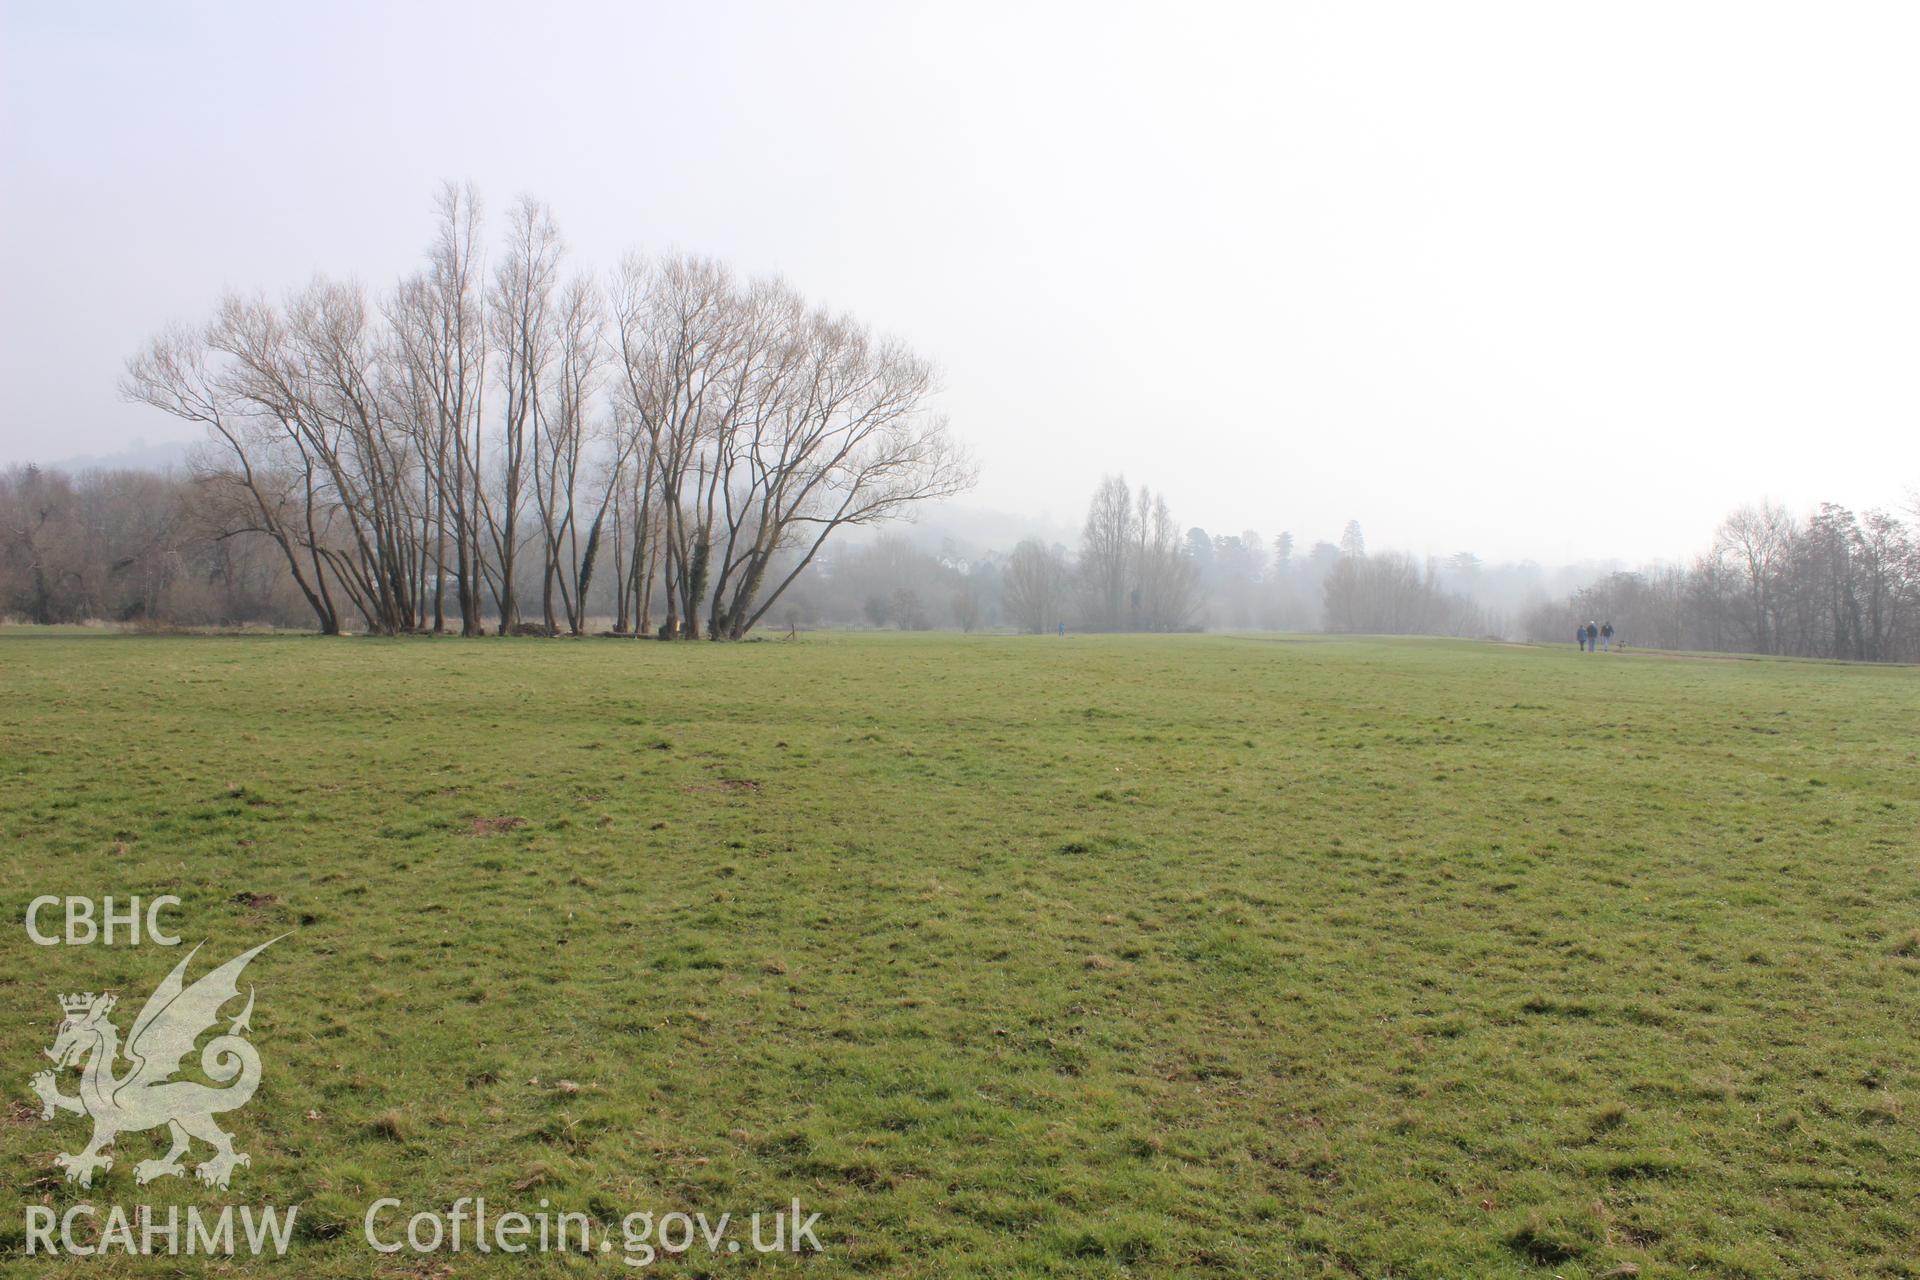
1194, 956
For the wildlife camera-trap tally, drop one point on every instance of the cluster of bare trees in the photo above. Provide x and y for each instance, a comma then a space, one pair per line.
1394, 594
1834, 585
477, 440
1249, 582
1135, 572
1132, 574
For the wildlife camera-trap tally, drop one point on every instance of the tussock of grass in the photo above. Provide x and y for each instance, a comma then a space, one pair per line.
1550, 1239
392, 1125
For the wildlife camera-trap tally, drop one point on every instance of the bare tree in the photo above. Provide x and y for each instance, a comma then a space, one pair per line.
262, 479
966, 607
1758, 539
561, 457
1034, 586
318, 371
39, 547
438, 325
1889, 590
1106, 554
521, 330
857, 447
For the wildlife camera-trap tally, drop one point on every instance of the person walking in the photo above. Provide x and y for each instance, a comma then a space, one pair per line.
1606, 636
1580, 636
1593, 636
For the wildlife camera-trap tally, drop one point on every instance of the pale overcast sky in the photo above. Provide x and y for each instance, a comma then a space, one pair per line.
1539, 280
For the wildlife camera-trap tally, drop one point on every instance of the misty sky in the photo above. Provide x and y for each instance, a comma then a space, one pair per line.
1535, 280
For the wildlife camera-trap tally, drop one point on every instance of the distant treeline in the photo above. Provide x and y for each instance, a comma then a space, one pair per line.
157, 550
167, 550
1135, 572
1834, 585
